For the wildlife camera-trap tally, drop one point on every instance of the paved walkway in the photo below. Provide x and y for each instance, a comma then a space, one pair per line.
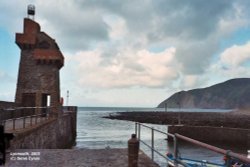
73, 158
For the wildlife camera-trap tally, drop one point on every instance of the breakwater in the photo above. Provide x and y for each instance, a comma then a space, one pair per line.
213, 119
229, 128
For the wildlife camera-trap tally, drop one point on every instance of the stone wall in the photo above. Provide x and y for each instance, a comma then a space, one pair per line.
4, 114
235, 136
6, 104
57, 133
73, 114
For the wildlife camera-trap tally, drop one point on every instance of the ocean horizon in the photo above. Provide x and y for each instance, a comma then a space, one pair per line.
149, 109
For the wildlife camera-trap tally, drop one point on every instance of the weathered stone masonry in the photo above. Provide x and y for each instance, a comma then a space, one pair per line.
40, 62
7, 104
57, 133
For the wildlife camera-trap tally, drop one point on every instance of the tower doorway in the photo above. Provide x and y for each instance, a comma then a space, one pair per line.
45, 103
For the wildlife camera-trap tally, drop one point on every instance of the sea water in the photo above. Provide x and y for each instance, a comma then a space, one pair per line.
95, 132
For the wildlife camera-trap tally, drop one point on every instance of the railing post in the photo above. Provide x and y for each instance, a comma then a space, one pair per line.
139, 131
152, 143
2, 115
36, 119
136, 129
14, 122
12, 113
31, 120
175, 148
24, 121
4, 122
228, 159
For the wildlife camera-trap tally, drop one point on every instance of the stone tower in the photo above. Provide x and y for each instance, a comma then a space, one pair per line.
38, 82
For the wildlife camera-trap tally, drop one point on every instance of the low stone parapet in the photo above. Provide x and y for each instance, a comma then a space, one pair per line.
56, 133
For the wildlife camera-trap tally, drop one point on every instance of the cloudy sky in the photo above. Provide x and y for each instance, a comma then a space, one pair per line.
133, 53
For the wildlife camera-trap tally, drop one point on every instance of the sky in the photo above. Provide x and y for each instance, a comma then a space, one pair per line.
132, 53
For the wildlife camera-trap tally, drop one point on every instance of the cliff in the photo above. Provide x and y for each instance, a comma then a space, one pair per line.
232, 94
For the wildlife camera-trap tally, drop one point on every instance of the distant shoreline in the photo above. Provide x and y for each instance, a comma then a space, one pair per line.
233, 119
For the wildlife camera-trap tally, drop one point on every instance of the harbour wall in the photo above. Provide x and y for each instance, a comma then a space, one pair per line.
10, 110
7, 104
235, 136
56, 133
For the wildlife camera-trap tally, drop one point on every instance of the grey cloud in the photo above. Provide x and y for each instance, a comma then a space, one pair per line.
109, 54
190, 26
77, 28
191, 19
138, 14
195, 57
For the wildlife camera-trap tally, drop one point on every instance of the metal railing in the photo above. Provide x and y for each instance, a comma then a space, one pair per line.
17, 112
152, 146
176, 137
21, 122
